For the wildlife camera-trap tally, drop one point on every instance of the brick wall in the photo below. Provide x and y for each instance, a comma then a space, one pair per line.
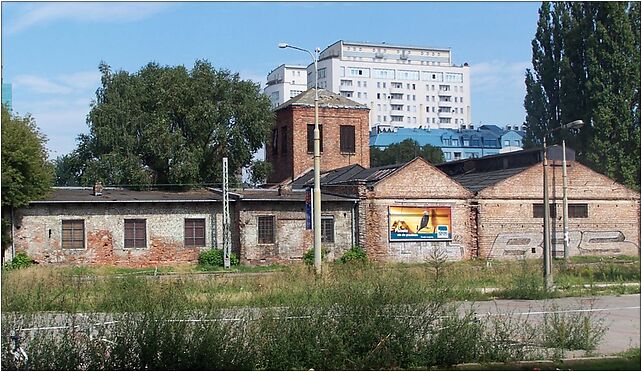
292, 240
416, 184
507, 228
39, 231
298, 160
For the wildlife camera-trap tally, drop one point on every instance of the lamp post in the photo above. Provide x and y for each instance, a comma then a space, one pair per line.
316, 207
548, 278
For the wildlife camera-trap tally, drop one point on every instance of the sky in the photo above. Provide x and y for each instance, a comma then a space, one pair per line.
51, 51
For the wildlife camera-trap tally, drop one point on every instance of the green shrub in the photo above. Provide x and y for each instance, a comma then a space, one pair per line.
308, 257
354, 254
214, 258
20, 261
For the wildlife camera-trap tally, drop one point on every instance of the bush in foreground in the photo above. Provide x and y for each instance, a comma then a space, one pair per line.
214, 258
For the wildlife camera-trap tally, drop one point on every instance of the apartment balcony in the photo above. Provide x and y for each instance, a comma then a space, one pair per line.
444, 92
396, 112
446, 103
346, 88
445, 114
398, 89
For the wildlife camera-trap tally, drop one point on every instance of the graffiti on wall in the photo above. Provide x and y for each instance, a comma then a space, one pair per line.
529, 244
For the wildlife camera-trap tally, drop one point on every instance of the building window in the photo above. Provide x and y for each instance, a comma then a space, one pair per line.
266, 229
507, 143
194, 232
73, 234
447, 155
457, 155
311, 138
455, 142
578, 210
327, 229
135, 234
346, 138
284, 140
538, 210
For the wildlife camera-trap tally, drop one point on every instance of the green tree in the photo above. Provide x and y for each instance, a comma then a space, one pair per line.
169, 125
403, 152
586, 59
26, 173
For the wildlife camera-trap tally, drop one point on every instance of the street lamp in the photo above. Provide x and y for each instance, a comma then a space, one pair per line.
548, 279
316, 207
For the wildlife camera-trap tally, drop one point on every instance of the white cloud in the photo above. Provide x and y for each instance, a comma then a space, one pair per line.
40, 85
494, 75
84, 12
61, 84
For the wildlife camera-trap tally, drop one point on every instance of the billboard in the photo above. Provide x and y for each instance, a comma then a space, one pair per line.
419, 223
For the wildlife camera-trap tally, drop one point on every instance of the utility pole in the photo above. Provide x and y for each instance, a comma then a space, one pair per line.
227, 236
565, 202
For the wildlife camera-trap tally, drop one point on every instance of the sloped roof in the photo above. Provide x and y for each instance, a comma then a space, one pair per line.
476, 181
346, 175
327, 99
119, 195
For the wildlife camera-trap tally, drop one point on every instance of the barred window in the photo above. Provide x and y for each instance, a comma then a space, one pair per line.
578, 210
538, 210
194, 232
135, 233
266, 229
73, 234
327, 229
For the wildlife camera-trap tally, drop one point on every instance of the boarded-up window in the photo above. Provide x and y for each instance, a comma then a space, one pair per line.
194, 232
135, 234
73, 234
578, 210
311, 138
266, 229
346, 138
538, 210
327, 229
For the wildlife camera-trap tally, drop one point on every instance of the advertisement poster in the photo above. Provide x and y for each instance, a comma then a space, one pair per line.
419, 223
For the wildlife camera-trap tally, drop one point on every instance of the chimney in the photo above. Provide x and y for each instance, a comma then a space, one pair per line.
98, 188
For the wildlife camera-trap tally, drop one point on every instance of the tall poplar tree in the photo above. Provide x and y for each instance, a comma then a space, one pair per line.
586, 59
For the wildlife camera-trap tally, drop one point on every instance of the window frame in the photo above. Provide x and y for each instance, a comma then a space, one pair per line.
539, 208
259, 230
347, 139
310, 138
125, 239
62, 236
573, 210
324, 230
193, 242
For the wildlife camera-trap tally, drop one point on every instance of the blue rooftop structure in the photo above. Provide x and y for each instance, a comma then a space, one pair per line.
454, 143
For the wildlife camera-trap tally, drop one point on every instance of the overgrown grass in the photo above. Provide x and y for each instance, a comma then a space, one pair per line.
351, 327
113, 289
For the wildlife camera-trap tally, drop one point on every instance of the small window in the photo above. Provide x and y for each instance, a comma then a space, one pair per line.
346, 138
73, 234
266, 229
327, 229
578, 210
538, 210
275, 149
194, 232
311, 138
135, 234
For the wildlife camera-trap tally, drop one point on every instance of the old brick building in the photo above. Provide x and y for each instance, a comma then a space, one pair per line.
344, 132
604, 216
402, 209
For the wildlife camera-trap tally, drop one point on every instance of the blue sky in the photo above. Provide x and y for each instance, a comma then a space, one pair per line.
51, 51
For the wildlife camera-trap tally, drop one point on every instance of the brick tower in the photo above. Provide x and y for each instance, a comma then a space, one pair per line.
344, 129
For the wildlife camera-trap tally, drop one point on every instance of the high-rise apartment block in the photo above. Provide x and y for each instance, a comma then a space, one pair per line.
285, 82
403, 86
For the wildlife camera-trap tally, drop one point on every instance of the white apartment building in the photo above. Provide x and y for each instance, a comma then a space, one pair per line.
403, 86
285, 82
